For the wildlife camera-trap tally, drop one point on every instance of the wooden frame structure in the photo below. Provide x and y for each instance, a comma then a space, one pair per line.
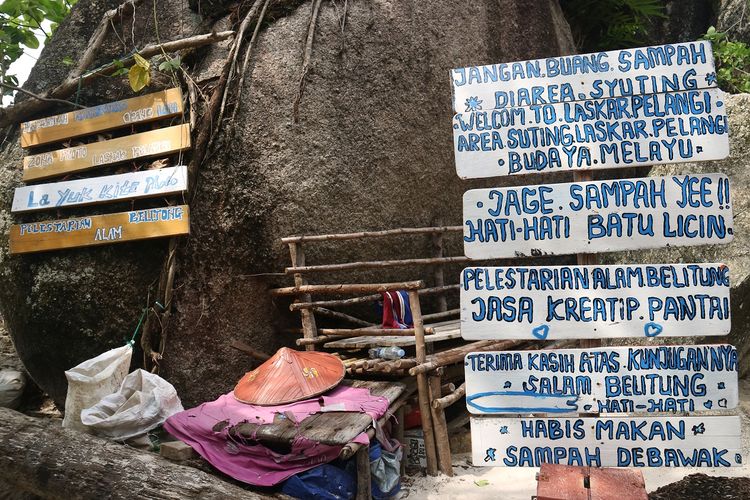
430, 365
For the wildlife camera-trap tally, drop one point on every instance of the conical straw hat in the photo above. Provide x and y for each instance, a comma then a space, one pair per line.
290, 376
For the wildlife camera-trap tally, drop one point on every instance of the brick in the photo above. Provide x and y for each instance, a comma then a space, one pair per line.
561, 482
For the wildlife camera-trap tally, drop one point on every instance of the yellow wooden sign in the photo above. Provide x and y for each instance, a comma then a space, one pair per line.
99, 229
145, 108
162, 141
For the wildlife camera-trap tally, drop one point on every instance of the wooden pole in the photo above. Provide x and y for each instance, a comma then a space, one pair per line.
347, 288
442, 442
442, 314
373, 234
375, 264
448, 400
398, 433
339, 315
309, 328
422, 386
438, 273
363, 474
457, 355
362, 300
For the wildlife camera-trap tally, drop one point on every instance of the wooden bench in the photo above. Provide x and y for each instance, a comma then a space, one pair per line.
438, 350
335, 428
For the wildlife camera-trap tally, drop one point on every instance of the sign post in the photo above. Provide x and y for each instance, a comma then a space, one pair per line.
583, 113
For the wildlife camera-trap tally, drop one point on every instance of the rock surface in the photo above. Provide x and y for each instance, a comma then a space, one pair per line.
684, 21
372, 150
737, 253
734, 19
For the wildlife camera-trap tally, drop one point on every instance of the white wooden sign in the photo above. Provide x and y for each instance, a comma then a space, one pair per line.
581, 302
705, 441
643, 70
589, 217
603, 380
143, 184
594, 134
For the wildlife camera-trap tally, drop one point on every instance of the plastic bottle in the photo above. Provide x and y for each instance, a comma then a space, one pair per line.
392, 352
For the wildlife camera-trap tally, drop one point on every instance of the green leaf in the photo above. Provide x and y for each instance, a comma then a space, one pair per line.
170, 65
67, 61
30, 40
481, 482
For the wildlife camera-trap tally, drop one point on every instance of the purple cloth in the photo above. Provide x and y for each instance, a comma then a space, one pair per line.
255, 463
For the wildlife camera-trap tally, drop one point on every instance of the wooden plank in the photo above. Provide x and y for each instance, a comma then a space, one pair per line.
591, 217
643, 70
700, 441
163, 141
578, 302
615, 379
592, 135
385, 341
99, 229
97, 190
332, 428
118, 114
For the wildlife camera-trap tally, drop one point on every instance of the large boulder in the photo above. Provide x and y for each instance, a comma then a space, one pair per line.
372, 149
735, 254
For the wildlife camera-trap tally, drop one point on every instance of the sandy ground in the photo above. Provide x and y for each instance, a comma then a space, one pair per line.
508, 483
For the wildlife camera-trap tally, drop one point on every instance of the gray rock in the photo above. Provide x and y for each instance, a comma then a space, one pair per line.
734, 19
737, 253
372, 150
683, 21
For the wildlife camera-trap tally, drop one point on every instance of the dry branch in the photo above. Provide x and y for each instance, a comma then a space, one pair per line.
25, 109
371, 234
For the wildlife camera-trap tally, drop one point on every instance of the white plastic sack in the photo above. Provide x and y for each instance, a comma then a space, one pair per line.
12, 383
93, 379
143, 402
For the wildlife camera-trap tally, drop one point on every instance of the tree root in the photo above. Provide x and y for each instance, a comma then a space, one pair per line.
245, 61
306, 60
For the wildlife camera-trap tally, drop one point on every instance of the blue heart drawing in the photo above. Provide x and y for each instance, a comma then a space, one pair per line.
738, 458
587, 407
652, 329
507, 385
708, 404
541, 332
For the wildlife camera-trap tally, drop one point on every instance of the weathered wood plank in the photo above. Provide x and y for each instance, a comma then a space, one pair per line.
598, 216
163, 141
333, 428
700, 441
108, 116
98, 190
99, 229
637, 71
566, 302
604, 380
569, 137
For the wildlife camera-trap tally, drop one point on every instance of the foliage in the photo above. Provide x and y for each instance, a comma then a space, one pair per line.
732, 61
139, 74
21, 23
611, 24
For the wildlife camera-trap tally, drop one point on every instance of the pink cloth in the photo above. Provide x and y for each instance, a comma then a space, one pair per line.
255, 463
